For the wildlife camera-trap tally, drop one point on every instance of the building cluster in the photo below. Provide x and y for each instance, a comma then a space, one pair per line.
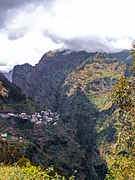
38, 118
43, 117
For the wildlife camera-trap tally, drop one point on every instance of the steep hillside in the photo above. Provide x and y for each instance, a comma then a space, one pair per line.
78, 85
43, 138
16, 101
95, 77
45, 144
85, 102
43, 81
8, 75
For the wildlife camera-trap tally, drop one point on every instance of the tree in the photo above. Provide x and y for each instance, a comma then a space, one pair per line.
3, 90
3, 93
121, 161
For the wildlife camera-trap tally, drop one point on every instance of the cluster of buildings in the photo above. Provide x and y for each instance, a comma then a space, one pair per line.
38, 118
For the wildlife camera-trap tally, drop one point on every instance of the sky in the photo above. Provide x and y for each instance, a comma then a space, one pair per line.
30, 28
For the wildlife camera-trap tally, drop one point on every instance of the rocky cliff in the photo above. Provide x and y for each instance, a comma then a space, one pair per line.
43, 81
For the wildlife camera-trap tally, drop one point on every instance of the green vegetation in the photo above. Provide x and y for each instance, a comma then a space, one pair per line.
3, 90
3, 93
96, 77
13, 100
86, 102
28, 106
10, 152
121, 159
24, 170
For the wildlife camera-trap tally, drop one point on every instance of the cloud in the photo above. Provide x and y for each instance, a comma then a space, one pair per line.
29, 28
17, 33
8, 8
13, 4
88, 43
3, 64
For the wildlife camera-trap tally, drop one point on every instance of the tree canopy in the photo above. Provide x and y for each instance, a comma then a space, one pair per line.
121, 161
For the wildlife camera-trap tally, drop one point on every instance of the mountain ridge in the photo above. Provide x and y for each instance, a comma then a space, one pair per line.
79, 86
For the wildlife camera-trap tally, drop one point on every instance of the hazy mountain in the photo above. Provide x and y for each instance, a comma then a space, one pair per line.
8, 75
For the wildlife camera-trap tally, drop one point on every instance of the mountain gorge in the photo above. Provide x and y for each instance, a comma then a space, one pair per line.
44, 81
48, 74
78, 85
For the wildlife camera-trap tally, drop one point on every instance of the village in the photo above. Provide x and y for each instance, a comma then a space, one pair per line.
38, 118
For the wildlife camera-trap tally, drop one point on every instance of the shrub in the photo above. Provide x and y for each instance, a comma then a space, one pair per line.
27, 172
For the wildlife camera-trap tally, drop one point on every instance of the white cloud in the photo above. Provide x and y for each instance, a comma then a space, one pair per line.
28, 49
76, 24
92, 17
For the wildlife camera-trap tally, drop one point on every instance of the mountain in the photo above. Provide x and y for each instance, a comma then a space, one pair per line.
16, 145
43, 81
8, 75
79, 86
50, 142
16, 101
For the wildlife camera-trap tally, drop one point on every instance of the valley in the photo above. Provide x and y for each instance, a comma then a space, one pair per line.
77, 87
